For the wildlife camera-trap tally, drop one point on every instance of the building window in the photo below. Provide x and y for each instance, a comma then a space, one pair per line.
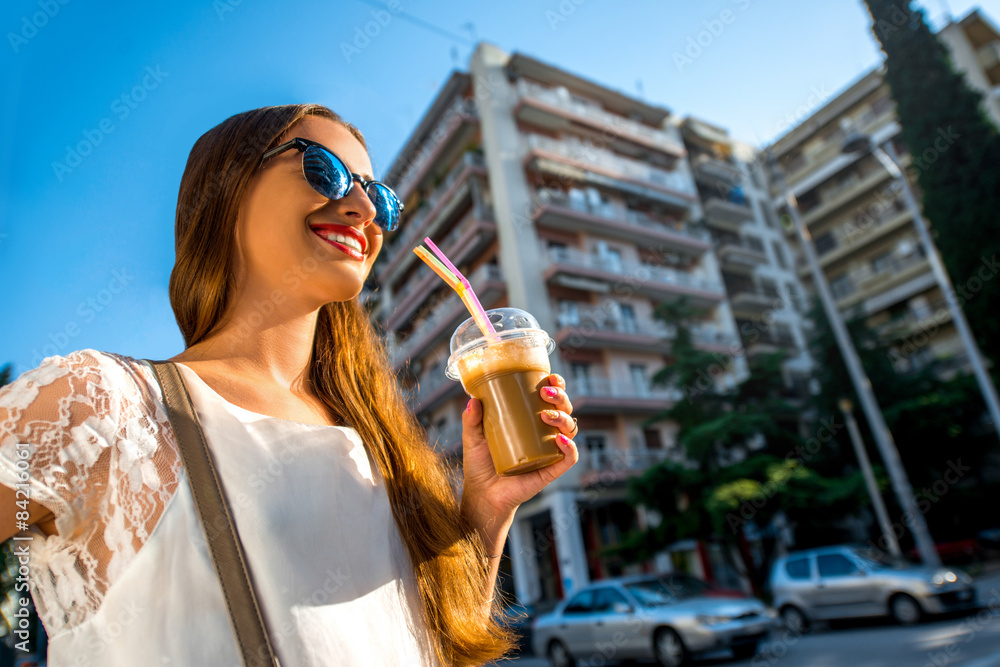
581, 377
883, 262
637, 372
779, 255
569, 313
652, 438
628, 322
842, 286
825, 243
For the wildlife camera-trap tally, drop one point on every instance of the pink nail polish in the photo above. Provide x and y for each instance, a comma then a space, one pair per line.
468, 407
551, 392
563, 440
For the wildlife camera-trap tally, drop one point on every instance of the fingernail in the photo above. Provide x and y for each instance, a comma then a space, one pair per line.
563, 440
468, 407
552, 414
551, 392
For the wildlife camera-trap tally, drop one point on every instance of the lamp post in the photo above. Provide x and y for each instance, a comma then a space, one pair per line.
863, 143
847, 407
862, 386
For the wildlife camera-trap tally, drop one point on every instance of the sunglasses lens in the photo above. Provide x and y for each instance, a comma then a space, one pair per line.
325, 172
386, 206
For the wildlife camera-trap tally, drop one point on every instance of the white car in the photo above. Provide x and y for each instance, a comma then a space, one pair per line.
841, 582
644, 616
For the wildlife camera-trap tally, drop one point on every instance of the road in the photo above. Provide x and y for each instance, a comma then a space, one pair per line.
964, 641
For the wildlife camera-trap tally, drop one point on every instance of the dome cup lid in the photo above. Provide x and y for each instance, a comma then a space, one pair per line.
509, 323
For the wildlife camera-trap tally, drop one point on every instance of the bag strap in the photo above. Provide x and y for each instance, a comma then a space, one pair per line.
216, 520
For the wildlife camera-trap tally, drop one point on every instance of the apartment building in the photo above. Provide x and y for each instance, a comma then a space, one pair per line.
862, 231
579, 204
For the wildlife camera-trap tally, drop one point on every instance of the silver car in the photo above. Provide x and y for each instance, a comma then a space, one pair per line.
646, 616
850, 582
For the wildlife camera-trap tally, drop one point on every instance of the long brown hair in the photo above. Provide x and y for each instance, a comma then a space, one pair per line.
354, 379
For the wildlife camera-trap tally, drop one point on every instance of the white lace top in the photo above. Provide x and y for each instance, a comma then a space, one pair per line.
128, 579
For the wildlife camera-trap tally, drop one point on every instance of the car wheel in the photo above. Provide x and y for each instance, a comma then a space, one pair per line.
904, 609
559, 656
744, 651
668, 648
794, 619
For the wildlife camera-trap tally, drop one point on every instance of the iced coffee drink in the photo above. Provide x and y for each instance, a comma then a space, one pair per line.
507, 375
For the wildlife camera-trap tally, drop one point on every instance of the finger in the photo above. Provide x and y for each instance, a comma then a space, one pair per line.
557, 397
556, 380
472, 423
560, 420
569, 448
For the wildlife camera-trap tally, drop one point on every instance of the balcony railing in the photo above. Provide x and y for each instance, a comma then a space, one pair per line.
600, 319
716, 170
621, 213
621, 460
604, 387
729, 215
611, 123
415, 225
936, 314
648, 272
868, 274
589, 154
460, 109
450, 308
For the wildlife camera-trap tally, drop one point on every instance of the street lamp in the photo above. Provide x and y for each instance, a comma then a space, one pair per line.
862, 385
847, 407
862, 144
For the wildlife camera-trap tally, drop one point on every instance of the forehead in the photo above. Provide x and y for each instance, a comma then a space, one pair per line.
337, 138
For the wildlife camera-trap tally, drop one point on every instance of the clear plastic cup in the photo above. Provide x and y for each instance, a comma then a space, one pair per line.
507, 375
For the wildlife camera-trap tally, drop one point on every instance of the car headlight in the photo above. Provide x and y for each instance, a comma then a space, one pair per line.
944, 577
707, 619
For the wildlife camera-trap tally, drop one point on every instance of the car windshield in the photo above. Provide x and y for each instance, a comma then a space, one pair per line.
658, 592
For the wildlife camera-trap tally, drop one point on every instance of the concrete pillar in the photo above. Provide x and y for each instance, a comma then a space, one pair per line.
570, 549
524, 569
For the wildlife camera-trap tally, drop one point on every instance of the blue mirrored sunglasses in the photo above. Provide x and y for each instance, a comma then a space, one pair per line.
329, 176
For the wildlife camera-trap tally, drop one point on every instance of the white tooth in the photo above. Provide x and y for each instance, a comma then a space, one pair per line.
349, 241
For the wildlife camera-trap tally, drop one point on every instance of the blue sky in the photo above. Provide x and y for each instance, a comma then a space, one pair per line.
86, 241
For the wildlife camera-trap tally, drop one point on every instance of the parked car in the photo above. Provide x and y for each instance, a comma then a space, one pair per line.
649, 616
841, 582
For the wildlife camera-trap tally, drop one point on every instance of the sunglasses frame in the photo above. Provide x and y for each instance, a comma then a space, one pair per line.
301, 144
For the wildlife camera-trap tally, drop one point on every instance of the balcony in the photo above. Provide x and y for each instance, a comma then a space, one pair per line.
541, 105
726, 215
488, 283
607, 466
716, 172
937, 314
558, 210
768, 342
432, 390
461, 110
654, 281
858, 233
455, 190
740, 255
599, 328
603, 395
847, 193
753, 300
583, 161
869, 281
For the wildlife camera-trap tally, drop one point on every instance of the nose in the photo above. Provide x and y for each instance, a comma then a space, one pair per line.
358, 205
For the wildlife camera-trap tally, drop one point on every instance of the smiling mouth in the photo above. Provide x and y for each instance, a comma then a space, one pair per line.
343, 242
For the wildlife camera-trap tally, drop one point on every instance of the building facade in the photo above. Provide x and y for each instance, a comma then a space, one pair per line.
862, 231
587, 208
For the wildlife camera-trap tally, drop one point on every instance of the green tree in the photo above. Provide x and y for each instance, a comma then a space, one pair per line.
937, 424
956, 150
709, 497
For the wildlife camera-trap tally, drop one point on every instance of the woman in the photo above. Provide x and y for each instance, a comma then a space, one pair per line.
360, 553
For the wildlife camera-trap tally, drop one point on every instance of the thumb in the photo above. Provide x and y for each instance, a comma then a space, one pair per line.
472, 423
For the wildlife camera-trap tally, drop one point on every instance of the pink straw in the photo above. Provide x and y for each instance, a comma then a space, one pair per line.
462, 279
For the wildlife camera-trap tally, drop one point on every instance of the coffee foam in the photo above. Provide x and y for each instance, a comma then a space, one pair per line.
505, 356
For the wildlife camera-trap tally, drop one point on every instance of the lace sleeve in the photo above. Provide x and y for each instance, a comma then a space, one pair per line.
102, 458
